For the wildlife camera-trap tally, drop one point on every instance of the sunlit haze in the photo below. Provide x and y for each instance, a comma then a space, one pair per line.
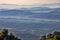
29, 2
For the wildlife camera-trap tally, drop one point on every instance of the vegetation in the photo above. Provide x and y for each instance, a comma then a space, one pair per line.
53, 36
5, 36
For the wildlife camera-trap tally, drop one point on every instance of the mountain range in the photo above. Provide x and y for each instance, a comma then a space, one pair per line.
30, 23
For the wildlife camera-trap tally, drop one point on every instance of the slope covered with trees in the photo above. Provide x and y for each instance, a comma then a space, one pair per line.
5, 35
53, 36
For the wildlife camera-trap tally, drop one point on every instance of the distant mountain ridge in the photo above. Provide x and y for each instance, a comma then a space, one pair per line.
34, 12
30, 22
14, 6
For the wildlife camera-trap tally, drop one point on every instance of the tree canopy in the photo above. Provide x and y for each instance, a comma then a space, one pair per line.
53, 36
4, 35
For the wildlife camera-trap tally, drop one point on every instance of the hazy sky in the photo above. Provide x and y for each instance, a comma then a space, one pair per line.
28, 2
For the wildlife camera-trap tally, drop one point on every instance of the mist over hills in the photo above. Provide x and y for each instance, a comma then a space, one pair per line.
30, 23
14, 6
37, 12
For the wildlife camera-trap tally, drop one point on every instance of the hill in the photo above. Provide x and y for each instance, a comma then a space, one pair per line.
51, 36
4, 35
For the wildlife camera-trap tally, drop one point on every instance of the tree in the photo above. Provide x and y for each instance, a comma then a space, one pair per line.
11, 36
5, 32
49, 36
56, 33
43, 38
4, 35
54, 36
17, 38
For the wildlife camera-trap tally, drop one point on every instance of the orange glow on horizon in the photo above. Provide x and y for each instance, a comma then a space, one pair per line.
28, 2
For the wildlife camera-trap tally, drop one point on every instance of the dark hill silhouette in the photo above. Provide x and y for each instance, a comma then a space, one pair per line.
5, 36
53, 36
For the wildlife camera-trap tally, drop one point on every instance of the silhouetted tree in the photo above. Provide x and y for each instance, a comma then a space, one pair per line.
49, 36
4, 35
53, 36
43, 38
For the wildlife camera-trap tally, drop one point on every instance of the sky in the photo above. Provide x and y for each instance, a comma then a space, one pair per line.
29, 2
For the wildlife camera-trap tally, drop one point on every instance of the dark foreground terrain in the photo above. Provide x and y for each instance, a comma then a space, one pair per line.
5, 36
51, 36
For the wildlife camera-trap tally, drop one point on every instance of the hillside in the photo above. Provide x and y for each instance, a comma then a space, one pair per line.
5, 35
51, 36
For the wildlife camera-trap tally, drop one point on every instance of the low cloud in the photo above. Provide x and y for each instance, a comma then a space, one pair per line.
28, 19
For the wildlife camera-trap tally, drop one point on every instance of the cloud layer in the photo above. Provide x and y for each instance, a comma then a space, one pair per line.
28, 19
28, 2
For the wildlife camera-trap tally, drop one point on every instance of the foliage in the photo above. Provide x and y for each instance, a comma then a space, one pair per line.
4, 35
53, 36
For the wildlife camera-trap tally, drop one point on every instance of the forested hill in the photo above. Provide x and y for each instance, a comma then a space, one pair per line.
5, 35
51, 36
